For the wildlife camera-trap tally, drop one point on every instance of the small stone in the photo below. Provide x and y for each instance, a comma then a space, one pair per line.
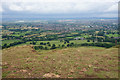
51, 75
24, 70
72, 71
80, 72
84, 69
53, 59
5, 63
29, 74
89, 66
46, 57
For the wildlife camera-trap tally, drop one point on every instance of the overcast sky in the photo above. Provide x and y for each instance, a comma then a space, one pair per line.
81, 8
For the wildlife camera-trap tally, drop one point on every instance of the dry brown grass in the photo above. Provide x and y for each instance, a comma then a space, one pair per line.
25, 62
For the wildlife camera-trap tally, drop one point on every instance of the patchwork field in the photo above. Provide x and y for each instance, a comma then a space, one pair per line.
82, 62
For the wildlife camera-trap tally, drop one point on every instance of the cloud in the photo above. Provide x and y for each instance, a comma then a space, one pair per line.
108, 15
16, 8
60, 1
60, 6
1, 9
113, 8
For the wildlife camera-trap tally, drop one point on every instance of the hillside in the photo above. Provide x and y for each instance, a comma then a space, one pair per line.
82, 62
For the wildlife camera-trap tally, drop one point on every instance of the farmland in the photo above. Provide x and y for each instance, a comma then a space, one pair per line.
56, 33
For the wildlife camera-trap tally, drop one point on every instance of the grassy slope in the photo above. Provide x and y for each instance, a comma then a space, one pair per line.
24, 61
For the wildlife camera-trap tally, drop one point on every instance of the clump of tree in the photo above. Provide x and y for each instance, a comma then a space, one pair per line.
40, 47
106, 45
12, 44
101, 33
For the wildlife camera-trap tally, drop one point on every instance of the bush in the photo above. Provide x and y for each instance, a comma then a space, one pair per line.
41, 43
88, 40
48, 42
53, 46
68, 45
36, 48
46, 48
40, 47
63, 45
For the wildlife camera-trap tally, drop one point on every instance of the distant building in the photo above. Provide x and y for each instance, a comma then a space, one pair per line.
79, 38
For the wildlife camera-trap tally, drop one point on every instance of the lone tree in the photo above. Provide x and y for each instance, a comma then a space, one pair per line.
36, 47
67, 41
53, 46
48, 42
71, 44
41, 43
63, 45
88, 40
44, 43
46, 48
41, 47
64, 42
5, 44
33, 43
68, 45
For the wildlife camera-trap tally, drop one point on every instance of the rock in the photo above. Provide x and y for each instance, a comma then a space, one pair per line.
46, 57
72, 71
53, 59
51, 75
5, 63
89, 66
29, 74
84, 69
80, 72
23, 70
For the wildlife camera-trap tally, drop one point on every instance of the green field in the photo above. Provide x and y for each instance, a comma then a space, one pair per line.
112, 35
57, 42
20, 34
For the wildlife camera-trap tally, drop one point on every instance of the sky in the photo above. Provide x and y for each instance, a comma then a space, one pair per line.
57, 8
